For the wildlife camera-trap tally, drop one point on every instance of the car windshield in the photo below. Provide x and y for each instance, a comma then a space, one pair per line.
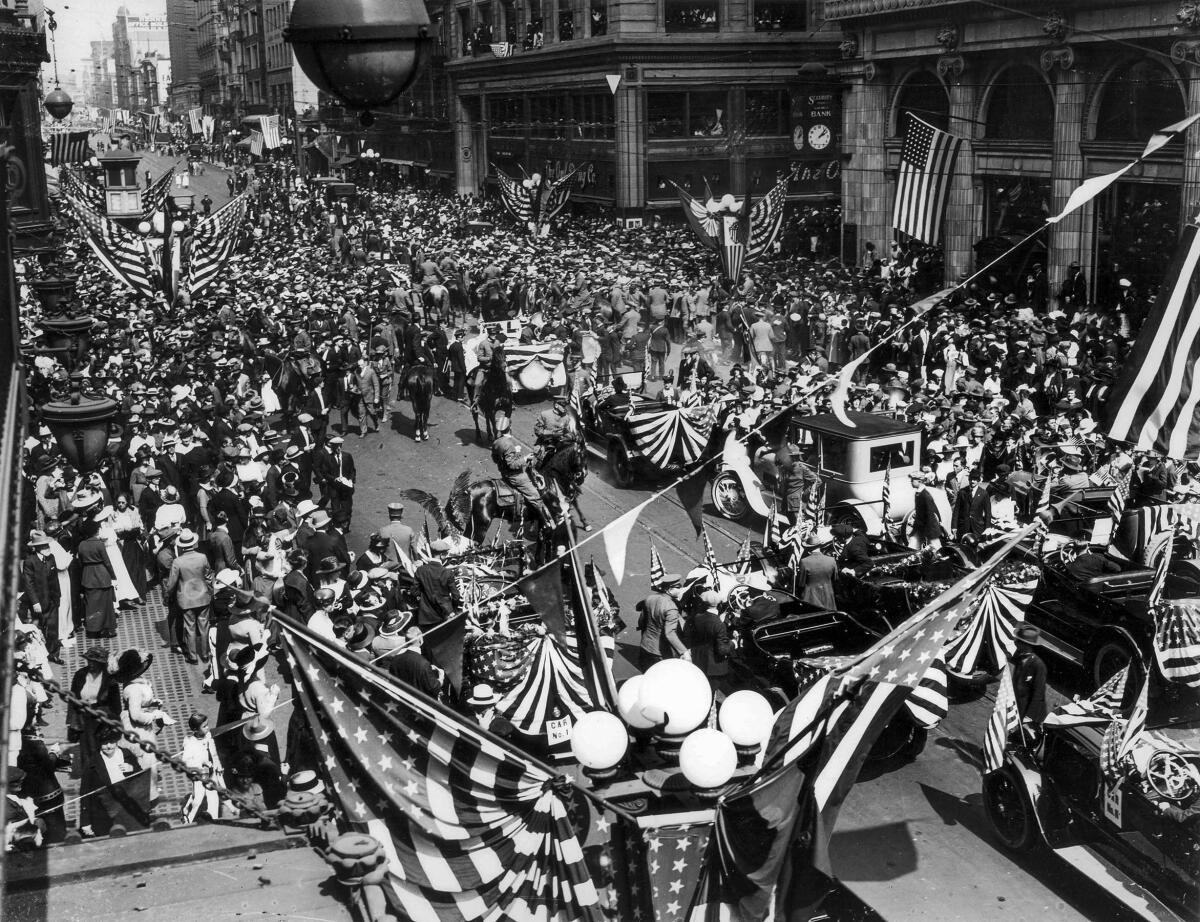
894, 455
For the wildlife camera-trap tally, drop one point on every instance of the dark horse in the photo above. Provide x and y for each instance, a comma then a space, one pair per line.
493, 396
420, 383
287, 381
489, 501
565, 465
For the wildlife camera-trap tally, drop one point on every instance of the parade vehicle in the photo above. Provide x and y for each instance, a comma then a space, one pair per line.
643, 439
1138, 838
1101, 623
853, 463
784, 644
532, 367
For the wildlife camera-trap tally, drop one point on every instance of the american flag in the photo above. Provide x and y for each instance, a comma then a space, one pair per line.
1116, 502
745, 558
473, 829
1103, 706
195, 117
68, 147
156, 195
657, 571
256, 142
926, 168
502, 49
125, 256
270, 132
773, 534
887, 498
766, 220
710, 559
75, 187
213, 242
1160, 573
1121, 735
673, 857
1177, 640
929, 702
1152, 401
1005, 720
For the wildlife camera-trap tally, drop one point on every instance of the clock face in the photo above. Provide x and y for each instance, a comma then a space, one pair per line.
798, 137
819, 137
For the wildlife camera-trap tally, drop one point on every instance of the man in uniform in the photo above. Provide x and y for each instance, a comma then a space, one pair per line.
553, 427
512, 461
797, 481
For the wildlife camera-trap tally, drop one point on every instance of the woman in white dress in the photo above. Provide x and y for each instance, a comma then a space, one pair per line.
125, 592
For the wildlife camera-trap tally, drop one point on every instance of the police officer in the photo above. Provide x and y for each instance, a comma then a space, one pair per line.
512, 461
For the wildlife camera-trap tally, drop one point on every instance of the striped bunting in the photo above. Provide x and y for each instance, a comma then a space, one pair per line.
929, 703
993, 627
1160, 573
516, 358
735, 232
1183, 518
766, 220
473, 830
773, 533
1120, 736
194, 118
1103, 706
657, 571
554, 677
68, 147
710, 560
213, 241
666, 434
156, 196
1177, 640
1155, 397
1005, 720
926, 168
515, 197
1116, 502
745, 557
555, 198
76, 187
125, 256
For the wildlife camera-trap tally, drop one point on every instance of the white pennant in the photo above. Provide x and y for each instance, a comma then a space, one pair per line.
614, 81
616, 539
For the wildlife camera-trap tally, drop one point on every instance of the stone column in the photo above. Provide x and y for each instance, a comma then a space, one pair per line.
630, 150
468, 136
867, 189
1191, 150
963, 218
1070, 239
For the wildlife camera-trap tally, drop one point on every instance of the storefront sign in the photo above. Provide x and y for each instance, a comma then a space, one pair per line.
816, 125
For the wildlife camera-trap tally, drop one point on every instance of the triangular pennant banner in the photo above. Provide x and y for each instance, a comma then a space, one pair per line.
614, 81
616, 539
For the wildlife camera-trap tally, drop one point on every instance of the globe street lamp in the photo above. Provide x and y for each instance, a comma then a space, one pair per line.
79, 423
365, 53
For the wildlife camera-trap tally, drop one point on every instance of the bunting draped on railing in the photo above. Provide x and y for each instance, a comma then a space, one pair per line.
156, 196
554, 677
213, 241
665, 433
993, 628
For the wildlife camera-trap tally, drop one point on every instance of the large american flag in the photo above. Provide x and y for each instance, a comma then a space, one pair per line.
156, 195
1103, 706
127, 257
472, 828
75, 187
926, 168
256, 142
270, 132
766, 220
1177, 640
68, 147
1153, 404
195, 118
213, 242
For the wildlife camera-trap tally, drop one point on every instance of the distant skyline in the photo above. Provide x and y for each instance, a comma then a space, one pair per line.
82, 22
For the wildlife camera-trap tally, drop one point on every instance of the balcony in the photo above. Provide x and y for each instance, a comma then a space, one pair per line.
854, 9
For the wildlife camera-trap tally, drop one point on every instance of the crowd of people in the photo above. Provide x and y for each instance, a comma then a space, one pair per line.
231, 471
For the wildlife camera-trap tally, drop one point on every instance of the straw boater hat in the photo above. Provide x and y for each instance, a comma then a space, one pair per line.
483, 695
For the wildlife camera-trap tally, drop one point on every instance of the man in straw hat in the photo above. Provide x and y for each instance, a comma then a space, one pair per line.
190, 582
816, 570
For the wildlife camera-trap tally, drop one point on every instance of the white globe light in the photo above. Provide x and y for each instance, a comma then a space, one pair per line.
679, 690
144, 227
627, 704
599, 740
536, 178
159, 222
707, 758
729, 202
177, 227
746, 718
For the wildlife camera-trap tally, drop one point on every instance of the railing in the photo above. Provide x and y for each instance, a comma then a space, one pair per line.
847, 9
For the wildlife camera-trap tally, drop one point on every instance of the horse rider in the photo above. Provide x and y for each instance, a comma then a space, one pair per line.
554, 427
514, 464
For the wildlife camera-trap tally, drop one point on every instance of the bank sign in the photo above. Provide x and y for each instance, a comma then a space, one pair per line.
815, 157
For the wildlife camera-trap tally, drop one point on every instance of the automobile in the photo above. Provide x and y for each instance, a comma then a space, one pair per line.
1138, 838
853, 463
783, 644
1102, 623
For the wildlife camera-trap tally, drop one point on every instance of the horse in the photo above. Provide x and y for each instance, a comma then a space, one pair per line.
486, 506
565, 466
420, 383
492, 397
287, 382
437, 302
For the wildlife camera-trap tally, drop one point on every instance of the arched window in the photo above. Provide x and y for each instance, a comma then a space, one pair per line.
1136, 101
925, 97
1020, 106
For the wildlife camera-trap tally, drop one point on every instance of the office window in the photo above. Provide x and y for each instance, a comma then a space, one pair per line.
599, 16
706, 114
594, 116
566, 21
507, 115
779, 15
690, 15
767, 112
547, 116
666, 115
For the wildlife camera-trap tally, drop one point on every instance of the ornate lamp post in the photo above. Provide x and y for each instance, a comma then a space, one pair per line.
57, 102
79, 423
363, 52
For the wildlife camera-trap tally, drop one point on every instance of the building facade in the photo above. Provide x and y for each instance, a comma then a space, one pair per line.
23, 36
642, 94
1044, 99
141, 49
183, 38
103, 71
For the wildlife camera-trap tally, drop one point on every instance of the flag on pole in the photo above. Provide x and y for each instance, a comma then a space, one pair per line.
926, 168
195, 117
1177, 640
745, 559
1116, 503
256, 142
213, 241
474, 829
710, 559
773, 534
766, 220
68, 147
887, 498
270, 132
1120, 736
1004, 722
1103, 706
657, 570
1160, 574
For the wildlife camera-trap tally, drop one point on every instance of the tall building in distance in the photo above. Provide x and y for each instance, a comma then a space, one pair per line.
142, 58
103, 75
183, 37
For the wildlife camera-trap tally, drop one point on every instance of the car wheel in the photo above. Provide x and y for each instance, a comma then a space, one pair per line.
916, 744
1111, 657
894, 741
1008, 809
729, 498
620, 466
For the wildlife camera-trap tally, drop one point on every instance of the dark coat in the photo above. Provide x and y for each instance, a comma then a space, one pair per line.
708, 641
323, 544
237, 513
855, 554
1029, 685
926, 522
39, 583
436, 586
972, 512
96, 571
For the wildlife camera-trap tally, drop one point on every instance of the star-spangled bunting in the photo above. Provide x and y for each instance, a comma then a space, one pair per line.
1177, 640
1103, 706
1005, 721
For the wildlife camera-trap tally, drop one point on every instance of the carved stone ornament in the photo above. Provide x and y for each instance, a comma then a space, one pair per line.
1189, 15
950, 66
1063, 58
947, 36
1185, 52
870, 71
849, 46
1056, 27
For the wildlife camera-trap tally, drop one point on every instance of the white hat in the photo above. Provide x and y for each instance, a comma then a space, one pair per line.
482, 696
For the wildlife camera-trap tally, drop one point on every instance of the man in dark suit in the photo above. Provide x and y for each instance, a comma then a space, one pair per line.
226, 499
926, 528
1091, 562
1029, 676
435, 586
304, 440
40, 598
972, 508
852, 550
334, 470
708, 642
325, 543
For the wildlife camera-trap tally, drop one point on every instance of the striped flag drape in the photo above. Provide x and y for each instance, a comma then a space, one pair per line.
766, 220
666, 434
270, 132
1177, 640
773, 534
710, 559
195, 117
1004, 721
74, 186
745, 558
1153, 404
929, 702
1116, 503
156, 196
256, 142
993, 629
213, 242
68, 147
125, 256
474, 830
1121, 735
657, 571
887, 499
1103, 705
1160, 573
926, 167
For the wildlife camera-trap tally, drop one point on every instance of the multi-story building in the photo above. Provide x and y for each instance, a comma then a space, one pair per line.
641, 94
280, 91
23, 37
103, 80
1045, 98
136, 40
185, 61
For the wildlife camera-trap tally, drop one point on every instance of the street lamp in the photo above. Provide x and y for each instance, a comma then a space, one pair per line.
365, 53
79, 423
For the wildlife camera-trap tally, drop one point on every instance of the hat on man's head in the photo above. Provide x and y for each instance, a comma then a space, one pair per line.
186, 541
482, 696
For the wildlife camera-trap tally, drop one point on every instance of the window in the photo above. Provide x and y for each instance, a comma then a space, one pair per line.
534, 34
1137, 232
690, 15
925, 97
507, 116
1020, 106
1136, 101
1016, 205
599, 14
548, 116
767, 112
511, 24
566, 21
681, 115
706, 114
594, 117
833, 455
666, 114
894, 454
779, 15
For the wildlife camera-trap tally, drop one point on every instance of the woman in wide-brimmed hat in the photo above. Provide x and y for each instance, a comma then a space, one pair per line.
143, 713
